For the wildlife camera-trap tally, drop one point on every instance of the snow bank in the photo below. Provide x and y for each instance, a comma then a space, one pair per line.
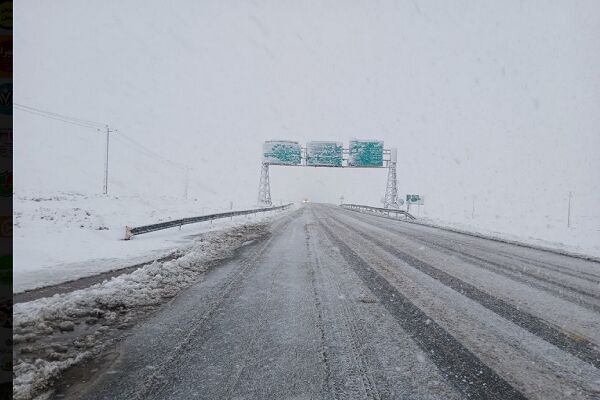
52, 334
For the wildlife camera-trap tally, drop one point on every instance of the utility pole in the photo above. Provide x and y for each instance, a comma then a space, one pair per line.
185, 190
569, 210
108, 131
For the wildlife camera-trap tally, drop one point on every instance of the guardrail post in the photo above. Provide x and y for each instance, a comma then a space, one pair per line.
128, 234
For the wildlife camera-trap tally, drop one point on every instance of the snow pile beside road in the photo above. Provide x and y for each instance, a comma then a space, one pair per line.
52, 334
65, 236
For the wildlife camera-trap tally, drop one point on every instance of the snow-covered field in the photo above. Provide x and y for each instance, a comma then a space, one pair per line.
64, 236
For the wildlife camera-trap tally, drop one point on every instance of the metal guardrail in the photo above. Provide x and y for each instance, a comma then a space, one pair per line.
131, 231
377, 210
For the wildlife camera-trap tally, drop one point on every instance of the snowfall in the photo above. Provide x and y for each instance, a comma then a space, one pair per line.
493, 109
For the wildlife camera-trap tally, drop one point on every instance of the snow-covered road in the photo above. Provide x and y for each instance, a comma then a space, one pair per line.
338, 304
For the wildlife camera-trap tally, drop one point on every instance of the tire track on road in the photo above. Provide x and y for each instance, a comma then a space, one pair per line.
200, 328
459, 365
467, 240
505, 269
433, 239
360, 364
553, 267
579, 347
252, 350
514, 274
560, 269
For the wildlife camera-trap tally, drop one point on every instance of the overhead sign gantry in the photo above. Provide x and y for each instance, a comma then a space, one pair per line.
359, 154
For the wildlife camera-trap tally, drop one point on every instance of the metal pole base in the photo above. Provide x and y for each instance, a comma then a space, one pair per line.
391, 189
264, 187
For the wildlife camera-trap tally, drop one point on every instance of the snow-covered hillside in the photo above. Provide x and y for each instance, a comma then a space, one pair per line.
64, 236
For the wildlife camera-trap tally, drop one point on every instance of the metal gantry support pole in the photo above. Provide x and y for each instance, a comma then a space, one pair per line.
391, 189
264, 188
391, 192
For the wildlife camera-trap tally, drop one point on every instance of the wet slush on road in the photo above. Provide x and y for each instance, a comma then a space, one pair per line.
337, 304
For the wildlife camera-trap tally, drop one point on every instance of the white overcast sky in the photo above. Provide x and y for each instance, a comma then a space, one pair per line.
497, 100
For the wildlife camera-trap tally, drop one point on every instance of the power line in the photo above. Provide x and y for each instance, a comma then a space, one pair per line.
144, 150
84, 123
61, 117
93, 125
149, 152
102, 128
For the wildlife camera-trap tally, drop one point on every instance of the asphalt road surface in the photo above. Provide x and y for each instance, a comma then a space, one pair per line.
341, 305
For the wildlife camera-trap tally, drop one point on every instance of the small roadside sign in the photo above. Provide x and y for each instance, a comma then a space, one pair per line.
415, 199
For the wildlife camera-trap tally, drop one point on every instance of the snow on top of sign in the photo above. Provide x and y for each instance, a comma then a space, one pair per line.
281, 141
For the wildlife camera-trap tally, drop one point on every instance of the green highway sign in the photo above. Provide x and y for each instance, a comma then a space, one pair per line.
327, 154
365, 153
415, 199
282, 152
